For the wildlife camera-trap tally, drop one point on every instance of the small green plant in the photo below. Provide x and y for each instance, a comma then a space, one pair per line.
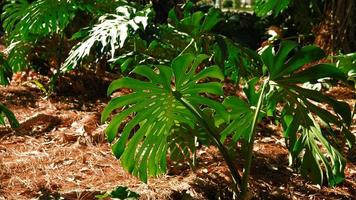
306, 141
175, 96
120, 193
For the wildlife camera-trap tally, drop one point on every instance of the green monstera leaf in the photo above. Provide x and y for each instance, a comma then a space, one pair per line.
307, 142
154, 111
5, 112
43, 17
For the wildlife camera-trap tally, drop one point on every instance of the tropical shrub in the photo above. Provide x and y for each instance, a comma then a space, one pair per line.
176, 95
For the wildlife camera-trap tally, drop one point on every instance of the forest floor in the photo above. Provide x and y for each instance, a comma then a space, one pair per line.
60, 151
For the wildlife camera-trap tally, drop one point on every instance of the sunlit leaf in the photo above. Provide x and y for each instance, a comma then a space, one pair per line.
154, 113
110, 33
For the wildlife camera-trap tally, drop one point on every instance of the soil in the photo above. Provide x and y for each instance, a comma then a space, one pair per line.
60, 151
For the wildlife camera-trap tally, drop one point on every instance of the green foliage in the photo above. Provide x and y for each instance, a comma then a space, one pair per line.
31, 21
121, 193
236, 60
23, 20
270, 7
5, 71
110, 33
347, 64
18, 53
307, 142
155, 111
176, 99
196, 24
5, 112
240, 116
27, 24
166, 104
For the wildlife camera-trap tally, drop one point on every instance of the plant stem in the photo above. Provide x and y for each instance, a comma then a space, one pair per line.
247, 166
236, 178
55, 76
187, 47
194, 163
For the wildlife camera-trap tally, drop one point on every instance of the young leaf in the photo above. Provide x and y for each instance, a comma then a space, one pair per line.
240, 119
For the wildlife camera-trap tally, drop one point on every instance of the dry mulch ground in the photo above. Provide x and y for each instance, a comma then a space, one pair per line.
60, 152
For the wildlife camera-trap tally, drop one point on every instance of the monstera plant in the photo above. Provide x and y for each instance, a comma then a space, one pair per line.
163, 98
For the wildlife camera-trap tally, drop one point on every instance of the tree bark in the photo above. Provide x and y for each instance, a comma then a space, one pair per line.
337, 30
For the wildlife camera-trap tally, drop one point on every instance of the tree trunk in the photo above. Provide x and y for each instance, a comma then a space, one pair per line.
337, 30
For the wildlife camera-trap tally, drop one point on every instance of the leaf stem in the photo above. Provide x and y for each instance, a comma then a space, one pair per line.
247, 166
187, 47
236, 178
